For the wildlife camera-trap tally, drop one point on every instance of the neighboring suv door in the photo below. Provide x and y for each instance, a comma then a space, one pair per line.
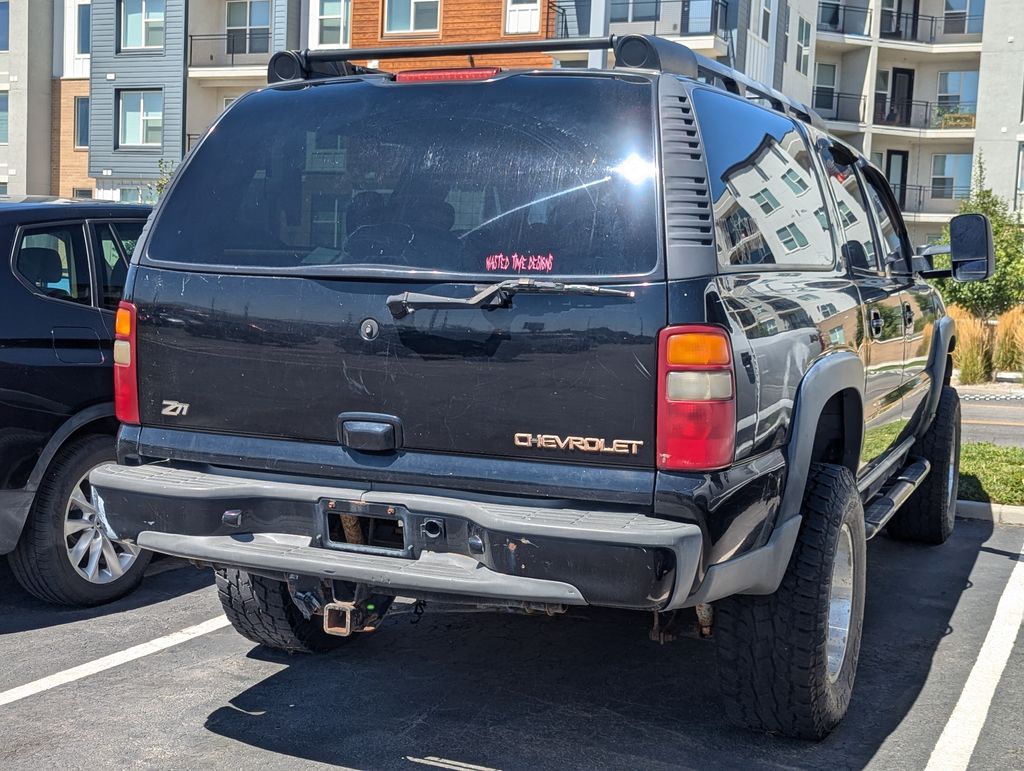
882, 344
920, 302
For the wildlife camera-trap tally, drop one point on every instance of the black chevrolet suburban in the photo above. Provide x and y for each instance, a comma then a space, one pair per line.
644, 337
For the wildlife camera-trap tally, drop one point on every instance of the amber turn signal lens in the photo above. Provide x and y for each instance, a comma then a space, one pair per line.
698, 349
123, 322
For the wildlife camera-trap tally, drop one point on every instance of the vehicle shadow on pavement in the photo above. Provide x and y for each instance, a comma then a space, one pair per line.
517, 692
21, 612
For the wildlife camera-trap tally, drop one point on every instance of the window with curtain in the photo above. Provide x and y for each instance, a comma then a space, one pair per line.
142, 23
141, 115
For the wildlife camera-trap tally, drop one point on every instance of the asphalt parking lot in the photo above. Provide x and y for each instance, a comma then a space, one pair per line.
473, 690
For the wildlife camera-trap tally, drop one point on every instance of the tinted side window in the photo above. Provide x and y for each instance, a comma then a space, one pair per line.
112, 266
767, 200
859, 248
896, 248
54, 261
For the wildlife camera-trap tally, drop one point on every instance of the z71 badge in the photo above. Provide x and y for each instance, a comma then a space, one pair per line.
578, 443
174, 409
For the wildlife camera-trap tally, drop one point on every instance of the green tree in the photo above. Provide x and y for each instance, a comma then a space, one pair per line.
1005, 288
167, 169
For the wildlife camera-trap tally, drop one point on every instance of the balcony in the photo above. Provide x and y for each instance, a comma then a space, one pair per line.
841, 19
907, 113
836, 106
667, 18
238, 48
915, 28
942, 199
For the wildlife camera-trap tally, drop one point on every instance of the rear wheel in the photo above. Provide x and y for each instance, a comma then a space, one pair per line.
261, 609
929, 514
787, 661
64, 555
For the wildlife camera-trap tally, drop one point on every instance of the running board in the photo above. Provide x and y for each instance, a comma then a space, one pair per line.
894, 495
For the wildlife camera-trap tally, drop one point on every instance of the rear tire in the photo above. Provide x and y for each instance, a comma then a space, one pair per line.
261, 609
929, 515
783, 663
59, 521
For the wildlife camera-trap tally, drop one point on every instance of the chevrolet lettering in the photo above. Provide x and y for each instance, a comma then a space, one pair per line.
578, 443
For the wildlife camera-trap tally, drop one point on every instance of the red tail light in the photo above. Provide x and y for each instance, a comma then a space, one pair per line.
126, 379
460, 73
696, 399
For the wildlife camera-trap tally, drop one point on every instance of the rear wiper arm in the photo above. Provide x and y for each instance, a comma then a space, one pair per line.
494, 295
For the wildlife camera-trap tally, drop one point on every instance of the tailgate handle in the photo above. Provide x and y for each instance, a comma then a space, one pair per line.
369, 432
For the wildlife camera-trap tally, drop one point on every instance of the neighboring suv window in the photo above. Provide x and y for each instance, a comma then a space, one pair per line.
767, 200
859, 248
528, 174
53, 260
117, 240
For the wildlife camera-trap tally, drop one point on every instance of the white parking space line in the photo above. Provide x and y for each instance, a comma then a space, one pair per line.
113, 660
454, 765
956, 744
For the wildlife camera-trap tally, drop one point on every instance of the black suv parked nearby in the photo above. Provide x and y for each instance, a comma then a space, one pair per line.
643, 338
60, 285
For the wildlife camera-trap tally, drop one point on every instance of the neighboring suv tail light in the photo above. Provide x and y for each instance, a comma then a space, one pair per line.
126, 381
696, 399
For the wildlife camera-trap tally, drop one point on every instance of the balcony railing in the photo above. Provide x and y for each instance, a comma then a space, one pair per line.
953, 27
668, 18
233, 49
844, 19
910, 113
834, 105
941, 198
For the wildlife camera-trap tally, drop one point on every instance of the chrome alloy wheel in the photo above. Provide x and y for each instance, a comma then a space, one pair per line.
840, 604
93, 555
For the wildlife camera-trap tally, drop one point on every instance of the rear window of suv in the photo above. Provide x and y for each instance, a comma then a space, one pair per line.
524, 175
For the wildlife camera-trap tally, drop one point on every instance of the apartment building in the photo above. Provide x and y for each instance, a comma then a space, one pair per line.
25, 82
69, 110
901, 80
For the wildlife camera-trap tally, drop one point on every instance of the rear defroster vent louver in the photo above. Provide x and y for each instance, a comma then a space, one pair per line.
687, 206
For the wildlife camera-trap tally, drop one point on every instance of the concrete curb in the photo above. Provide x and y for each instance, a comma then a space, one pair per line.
996, 513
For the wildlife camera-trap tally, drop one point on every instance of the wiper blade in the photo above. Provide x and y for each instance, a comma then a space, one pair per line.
497, 295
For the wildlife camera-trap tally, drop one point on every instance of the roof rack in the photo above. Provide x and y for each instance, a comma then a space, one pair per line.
631, 52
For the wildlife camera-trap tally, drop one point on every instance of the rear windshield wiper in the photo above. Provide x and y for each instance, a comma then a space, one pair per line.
497, 295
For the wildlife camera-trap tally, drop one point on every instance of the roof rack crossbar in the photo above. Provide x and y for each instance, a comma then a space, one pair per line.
631, 52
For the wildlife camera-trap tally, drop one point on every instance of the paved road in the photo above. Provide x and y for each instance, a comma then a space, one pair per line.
495, 691
998, 422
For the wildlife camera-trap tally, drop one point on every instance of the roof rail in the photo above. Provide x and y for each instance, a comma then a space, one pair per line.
631, 51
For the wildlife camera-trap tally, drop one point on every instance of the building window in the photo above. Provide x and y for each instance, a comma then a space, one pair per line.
958, 89
795, 181
141, 118
142, 23
803, 46
3, 188
766, 200
5, 25
963, 16
951, 175
129, 195
81, 192
792, 238
248, 26
411, 15
333, 22
785, 36
761, 18
1018, 203
84, 25
826, 78
4, 95
81, 121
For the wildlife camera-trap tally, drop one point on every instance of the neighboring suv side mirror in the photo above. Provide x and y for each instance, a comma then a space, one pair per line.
971, 251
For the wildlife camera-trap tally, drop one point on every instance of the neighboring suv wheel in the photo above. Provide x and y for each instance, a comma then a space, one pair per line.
261, 609
787, 661
64, 556
928, 516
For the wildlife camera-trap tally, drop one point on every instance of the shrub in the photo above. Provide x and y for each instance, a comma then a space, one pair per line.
973, 353
1009, 341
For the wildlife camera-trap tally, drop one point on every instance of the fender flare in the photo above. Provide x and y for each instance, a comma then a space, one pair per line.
70, 426
943, 332
828, 376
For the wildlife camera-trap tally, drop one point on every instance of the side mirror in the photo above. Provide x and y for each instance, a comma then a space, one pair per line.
971, 250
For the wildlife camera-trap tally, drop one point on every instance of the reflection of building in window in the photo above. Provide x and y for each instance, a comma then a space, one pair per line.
826, 310
847, 216
792, 238
837, 336
766, 201
795, 182
822, 218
